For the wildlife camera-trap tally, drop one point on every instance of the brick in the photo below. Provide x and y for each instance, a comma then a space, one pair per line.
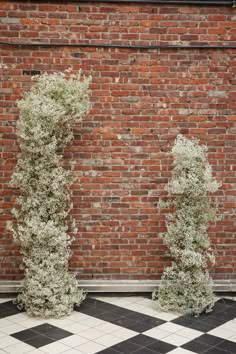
141, 100
9, 20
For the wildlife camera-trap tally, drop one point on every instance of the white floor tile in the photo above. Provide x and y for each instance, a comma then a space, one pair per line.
176, 340
108, 327
166, 316
62, 323
122, 302
230, 325
55, 348
19, 348
2, 300
2, 335
148, 311
108, 340
74, 341
35, 351
32, 322
145, 302
109, 299
233, 339
93, 322
124, 333
73, 351
13, 328
135, 298
222, 333
76, 328
91, 333
157, 333
4, 323
170, 327
181, 351
135, 307
189, 333
77, 316
19, 317
90, 347
127, 300
7, 341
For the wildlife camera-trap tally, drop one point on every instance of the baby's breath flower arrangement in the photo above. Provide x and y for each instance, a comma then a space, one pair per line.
47, 114
186, 286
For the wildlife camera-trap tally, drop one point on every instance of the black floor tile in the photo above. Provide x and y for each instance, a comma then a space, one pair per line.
138, 316
145, 351
90, 301
8, 308
204, 315
228, 314
201, 326
140, 327
213, 321
2, 307
44, 328
142, 340
108, 351
81, 307
120, 316
161, 347
184, 320
227, 345
10, 305
144, 322
124, 322
209, 339
108, 307
41, 335
109, 316
126, 347
196, 347
215, 350
39, 341
152, 321
59, 334
25, 335
227, 302
219, 306
92, 311
122, 311
9, 312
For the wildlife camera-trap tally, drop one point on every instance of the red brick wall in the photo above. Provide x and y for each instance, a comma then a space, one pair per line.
141, 100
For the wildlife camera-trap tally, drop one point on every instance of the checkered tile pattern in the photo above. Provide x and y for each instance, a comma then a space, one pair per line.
119, 325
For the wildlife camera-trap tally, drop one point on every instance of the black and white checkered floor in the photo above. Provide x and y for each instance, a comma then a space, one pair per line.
115, 325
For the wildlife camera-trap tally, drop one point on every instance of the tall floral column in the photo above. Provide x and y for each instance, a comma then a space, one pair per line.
47, 114
186, 285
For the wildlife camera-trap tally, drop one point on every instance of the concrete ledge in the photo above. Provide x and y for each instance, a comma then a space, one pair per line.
118, 286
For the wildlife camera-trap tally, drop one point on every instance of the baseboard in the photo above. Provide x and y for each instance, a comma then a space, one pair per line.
119, 286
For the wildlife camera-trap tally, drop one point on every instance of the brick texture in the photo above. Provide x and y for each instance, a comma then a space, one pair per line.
141, 99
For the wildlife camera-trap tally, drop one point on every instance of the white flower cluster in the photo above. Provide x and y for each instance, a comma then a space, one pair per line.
186, 286
47, 114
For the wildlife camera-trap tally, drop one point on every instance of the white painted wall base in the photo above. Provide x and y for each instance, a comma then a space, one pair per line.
116, 286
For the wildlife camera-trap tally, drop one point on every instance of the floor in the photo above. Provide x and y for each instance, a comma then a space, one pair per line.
119, 325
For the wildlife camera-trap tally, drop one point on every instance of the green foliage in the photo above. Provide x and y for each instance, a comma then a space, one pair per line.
186, 286
47, 114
